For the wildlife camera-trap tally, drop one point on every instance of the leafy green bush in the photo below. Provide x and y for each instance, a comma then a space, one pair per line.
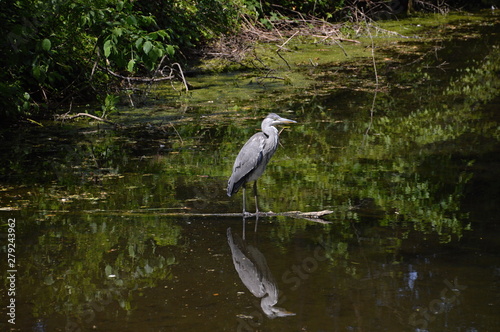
61, 51
192, 22
54, 49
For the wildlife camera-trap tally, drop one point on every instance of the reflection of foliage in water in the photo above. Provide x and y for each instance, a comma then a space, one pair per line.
413, 166
107, 262
447, 127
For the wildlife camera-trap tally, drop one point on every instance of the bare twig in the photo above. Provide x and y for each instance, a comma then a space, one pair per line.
372, 109
182, 75
71, 117
373, 57
335, 39
137, 79
179, 135
341, 47
280, 48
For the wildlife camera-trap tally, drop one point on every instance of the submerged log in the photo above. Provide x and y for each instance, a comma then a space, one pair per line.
312, 216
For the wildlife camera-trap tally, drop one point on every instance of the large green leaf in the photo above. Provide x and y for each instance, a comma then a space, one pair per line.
147, 47
170, 50
107, 48
46, 44
130, 65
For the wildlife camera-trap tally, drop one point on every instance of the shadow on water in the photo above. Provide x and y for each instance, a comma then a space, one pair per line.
104, 240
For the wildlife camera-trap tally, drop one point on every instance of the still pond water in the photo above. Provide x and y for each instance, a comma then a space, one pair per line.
113, 230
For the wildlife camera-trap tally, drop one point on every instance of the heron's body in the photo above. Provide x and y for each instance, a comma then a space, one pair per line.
254, 156
252, 161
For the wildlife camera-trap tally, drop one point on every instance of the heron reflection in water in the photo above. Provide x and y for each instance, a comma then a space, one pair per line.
253, 157
252, 268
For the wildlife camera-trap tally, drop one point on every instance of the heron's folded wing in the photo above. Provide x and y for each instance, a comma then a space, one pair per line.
248, 159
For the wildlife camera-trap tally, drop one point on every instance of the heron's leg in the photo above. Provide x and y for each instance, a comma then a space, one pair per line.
244, 199
244, 226
256, 199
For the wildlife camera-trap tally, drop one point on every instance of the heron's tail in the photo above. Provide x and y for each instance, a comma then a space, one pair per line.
233, 187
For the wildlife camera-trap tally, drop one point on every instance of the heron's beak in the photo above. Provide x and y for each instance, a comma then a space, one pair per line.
280, 312
283, 120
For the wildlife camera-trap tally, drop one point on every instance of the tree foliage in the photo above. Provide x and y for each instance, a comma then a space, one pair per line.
53, 50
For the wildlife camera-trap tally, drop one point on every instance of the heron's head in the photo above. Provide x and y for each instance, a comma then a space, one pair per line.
273, 312
274, 119
267, 304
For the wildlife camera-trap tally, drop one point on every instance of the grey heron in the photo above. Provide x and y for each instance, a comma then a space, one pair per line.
253, 157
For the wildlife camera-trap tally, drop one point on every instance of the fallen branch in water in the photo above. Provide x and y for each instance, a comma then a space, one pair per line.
159, 75
312, 216
137, 79
71, 117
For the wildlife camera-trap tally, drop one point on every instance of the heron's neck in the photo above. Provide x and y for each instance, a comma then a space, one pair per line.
270, 131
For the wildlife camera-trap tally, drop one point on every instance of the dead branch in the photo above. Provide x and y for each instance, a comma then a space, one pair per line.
270, 78
336, 39
137, 79
372, 110
280, 47
312, 216
181, 73
71, 117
